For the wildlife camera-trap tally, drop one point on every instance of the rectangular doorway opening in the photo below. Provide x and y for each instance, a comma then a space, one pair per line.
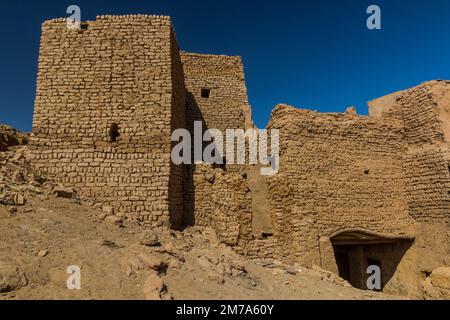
354, 257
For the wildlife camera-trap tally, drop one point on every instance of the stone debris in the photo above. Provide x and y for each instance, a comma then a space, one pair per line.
153, 262
114, 221
63, 192
11, 278
330, 277
150, 239
42, 253
169, 248
441, 278
19, 199
437, 285
154, 287
18, 179
108, 210
351, 111
10, 137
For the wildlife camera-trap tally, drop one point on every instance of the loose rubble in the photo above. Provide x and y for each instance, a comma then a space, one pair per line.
18, 180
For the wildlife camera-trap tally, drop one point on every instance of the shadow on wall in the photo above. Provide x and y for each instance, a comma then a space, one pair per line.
188, 196
354, 255
193, 113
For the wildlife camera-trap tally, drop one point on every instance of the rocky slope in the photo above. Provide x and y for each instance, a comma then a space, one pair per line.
45, 236
11, 137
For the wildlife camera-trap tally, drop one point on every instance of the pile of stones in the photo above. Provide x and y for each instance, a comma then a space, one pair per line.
17, 178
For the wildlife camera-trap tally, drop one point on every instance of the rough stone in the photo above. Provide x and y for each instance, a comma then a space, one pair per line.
441, 278
63, 192
351, 111
149, 239
19, 199
114, 221
42, 253
152, 262
11, 278
153, 287
10, 137
108, 210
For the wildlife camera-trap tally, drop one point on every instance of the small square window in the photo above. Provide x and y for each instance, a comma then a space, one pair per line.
206, 93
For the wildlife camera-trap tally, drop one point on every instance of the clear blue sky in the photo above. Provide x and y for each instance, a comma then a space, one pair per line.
311, 54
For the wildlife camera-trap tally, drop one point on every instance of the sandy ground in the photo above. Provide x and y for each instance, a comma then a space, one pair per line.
48, 234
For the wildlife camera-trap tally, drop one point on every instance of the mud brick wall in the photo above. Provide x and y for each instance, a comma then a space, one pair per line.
117, 70
428, 184
222, 201
198, 209
337, 172
227, 106
178, 120
233, 208
425, 114
420, 115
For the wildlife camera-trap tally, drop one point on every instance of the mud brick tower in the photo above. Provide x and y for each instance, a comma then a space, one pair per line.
108, 97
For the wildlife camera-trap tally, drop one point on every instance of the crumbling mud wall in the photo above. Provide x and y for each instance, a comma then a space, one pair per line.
337, 172
108, 97
223, 201
231, 213
216, 96
426, 163
424, 111
428, 184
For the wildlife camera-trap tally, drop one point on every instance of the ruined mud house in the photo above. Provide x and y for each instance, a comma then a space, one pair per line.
352, 190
